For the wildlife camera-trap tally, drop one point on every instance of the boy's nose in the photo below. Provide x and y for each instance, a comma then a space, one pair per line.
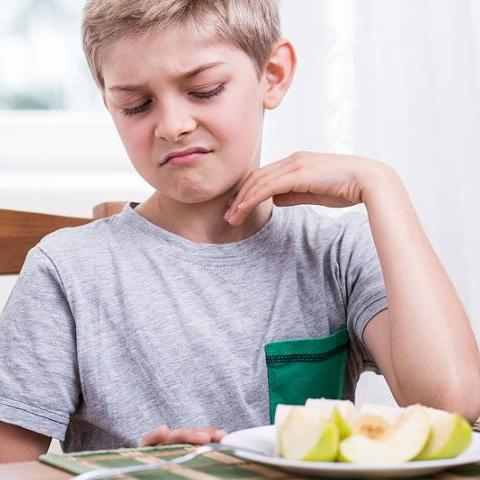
172, 125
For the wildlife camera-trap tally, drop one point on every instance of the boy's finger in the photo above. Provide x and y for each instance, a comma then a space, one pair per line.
211, 430
218, 435
157, 436
164, 436
215, 434
259, 175
189, 435
252, 185
282, 184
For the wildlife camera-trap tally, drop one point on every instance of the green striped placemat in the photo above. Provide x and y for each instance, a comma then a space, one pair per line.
210, 466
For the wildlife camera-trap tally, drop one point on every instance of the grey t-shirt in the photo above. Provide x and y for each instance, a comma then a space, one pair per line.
118, 326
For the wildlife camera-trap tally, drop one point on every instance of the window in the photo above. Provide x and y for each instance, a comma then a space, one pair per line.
43, 67
60, 151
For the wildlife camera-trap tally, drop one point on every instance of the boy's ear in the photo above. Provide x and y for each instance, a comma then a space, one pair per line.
105, 101
278, 73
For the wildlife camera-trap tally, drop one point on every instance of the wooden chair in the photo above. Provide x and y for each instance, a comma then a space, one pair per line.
20, 231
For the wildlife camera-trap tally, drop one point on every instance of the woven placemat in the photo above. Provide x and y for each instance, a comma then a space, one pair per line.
210, 466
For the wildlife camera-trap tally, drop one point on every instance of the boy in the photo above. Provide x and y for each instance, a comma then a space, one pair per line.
155, 320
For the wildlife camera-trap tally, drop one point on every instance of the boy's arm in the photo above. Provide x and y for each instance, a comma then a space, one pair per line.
20, 445
423, 343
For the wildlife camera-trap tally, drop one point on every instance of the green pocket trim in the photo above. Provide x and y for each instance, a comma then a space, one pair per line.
305, 357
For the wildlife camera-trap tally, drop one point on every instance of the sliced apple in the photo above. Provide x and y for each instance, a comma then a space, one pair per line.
360, 449
281, 413
341, 412
402, 443
450, 435
308, 437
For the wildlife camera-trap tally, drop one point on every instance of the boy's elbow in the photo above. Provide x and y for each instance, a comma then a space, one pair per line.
470, 412
464, 401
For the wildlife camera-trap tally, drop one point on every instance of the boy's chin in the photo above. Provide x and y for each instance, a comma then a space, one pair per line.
197, 198
197, 193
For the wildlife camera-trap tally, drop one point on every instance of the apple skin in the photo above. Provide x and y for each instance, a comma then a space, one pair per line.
344, 425
320, 438
341, 412
326, 448
281, 414
450, 435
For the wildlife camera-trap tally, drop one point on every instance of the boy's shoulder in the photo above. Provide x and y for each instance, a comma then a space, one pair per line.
95, 235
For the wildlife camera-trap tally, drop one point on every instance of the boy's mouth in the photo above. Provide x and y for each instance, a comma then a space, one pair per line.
186, 155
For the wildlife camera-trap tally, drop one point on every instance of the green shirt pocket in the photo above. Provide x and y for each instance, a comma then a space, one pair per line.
306, 368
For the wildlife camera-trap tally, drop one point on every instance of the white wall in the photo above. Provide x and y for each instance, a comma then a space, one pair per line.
64, 163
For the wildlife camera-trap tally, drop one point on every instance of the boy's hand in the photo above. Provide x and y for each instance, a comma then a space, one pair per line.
332, 180
164, 436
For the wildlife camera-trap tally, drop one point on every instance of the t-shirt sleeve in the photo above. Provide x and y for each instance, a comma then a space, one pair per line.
364, 288
39, 386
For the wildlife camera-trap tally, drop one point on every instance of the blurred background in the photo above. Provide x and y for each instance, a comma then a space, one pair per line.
394, 80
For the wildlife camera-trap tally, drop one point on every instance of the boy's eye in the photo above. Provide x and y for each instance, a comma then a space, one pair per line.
201, 95
140, 108
210, 93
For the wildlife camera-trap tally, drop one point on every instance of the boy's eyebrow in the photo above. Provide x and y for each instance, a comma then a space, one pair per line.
185, 76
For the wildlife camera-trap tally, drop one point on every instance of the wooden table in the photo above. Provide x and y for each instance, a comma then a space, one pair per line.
40, 471
31, 471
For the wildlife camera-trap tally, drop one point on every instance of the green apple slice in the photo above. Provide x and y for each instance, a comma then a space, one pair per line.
450, 435
281, 414
341, 412
307, 438
402, 443
360, 449
410, 434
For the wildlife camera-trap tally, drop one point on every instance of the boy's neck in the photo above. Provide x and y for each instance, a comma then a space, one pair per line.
202, 223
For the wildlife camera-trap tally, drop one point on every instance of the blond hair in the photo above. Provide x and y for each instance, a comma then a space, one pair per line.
251, 25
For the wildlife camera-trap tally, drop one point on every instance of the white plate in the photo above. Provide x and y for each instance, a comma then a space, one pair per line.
263, 440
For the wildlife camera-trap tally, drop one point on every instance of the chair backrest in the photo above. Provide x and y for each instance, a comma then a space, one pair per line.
20, 231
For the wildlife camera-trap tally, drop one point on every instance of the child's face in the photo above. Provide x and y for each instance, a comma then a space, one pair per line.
161, 112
